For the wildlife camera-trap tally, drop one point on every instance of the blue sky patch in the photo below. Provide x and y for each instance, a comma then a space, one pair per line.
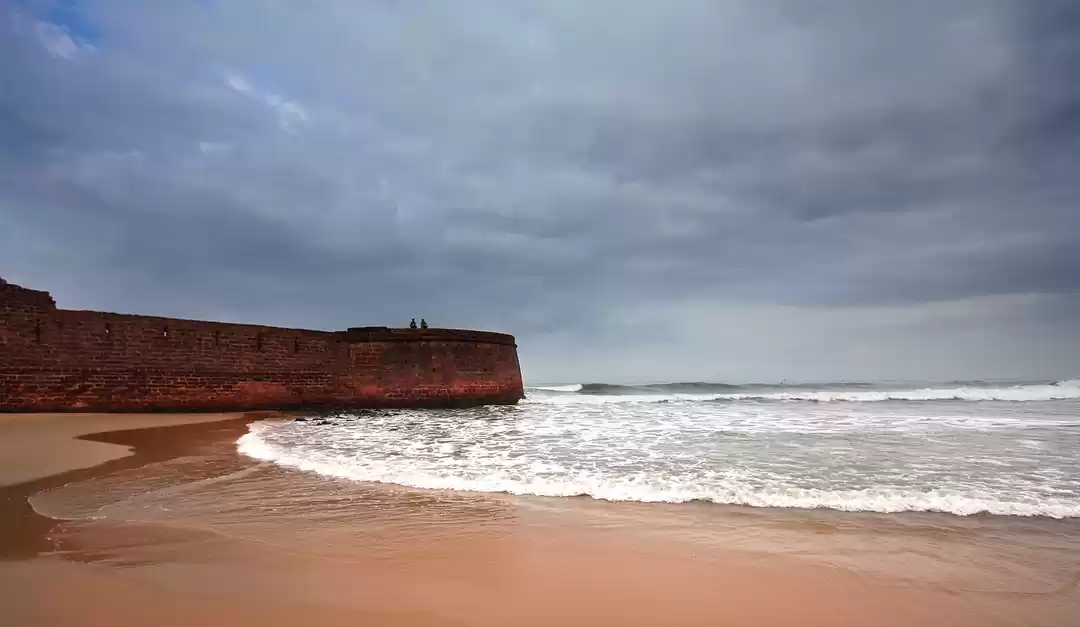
70, 15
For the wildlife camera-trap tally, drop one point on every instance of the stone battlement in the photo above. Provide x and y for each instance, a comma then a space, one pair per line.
69, 360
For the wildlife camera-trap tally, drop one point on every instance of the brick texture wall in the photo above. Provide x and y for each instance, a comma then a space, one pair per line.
63, 360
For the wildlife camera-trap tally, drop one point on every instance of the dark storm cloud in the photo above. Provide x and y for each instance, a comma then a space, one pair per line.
553, 170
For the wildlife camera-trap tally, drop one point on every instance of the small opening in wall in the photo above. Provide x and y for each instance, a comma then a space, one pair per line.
296, 345
37, 330
164, 331
259, 342
217, 338
108, 329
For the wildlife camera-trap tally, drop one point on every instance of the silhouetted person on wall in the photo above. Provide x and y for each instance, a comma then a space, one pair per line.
412, 323
423, 323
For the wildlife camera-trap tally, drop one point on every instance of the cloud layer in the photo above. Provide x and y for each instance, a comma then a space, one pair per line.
643, 191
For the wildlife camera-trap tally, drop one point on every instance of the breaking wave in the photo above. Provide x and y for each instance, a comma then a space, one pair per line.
615, 389
847, 451
575, 387
832, 392
652, 489
1062, 390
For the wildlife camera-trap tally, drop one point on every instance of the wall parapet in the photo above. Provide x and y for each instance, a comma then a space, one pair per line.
387, 334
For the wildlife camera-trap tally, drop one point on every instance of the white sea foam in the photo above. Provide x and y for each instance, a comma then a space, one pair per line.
967, 458
532, 397
651, 490
1061, 390
576, 387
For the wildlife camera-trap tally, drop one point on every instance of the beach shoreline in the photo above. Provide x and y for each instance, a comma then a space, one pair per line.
342, 553
38, 451
36, 446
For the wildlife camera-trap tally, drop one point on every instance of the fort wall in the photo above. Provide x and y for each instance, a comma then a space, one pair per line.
55, 360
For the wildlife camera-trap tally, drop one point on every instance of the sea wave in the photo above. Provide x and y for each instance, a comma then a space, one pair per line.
825, 393
650, 489
1062, 390
616, 389
575, 387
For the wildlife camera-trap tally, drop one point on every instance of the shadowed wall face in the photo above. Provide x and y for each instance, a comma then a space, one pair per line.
58, 360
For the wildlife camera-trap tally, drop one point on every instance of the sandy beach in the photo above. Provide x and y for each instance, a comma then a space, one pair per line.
33, 446
156, 519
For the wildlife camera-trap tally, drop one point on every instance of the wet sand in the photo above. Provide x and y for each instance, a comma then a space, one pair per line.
171, 527
33, 446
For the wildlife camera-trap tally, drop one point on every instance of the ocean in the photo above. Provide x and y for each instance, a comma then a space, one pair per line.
962, 448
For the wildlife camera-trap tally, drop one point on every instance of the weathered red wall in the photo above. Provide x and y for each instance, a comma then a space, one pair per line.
61, 360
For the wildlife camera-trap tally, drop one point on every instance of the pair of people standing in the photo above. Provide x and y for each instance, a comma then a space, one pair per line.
423, 324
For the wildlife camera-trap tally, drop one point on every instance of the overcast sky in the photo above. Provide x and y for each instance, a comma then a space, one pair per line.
719, 190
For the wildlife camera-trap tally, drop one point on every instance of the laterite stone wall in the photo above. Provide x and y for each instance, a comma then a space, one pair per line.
55, 360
